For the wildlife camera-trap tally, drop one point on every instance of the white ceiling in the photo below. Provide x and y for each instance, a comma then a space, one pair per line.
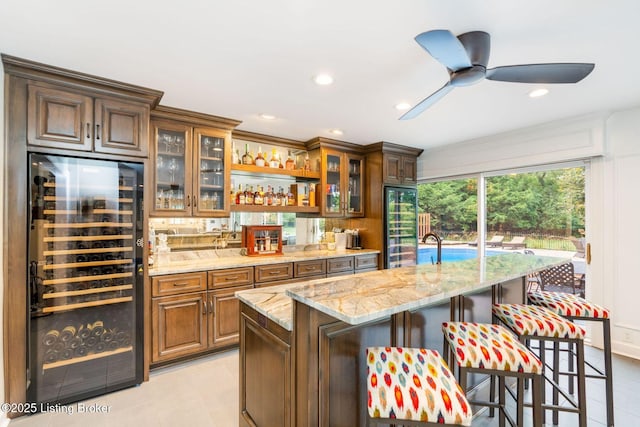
240, 58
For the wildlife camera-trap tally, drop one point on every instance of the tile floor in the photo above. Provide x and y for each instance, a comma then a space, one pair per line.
204, 392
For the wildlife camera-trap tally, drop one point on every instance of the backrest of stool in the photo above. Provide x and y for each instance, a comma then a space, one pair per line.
558, 276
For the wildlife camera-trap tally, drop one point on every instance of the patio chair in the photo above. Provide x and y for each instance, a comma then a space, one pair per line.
473, 243
561, 278
579, 244
517, 242
495, 242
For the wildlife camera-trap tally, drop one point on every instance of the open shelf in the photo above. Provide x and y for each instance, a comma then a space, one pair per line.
88, 264
257, 170
86, 291
86, 278
264, 208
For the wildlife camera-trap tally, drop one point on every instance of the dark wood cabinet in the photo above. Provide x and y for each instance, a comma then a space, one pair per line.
179, 326
273, 272
192, 156
223, 315
61, 118
309, 269
400, 169
340, 266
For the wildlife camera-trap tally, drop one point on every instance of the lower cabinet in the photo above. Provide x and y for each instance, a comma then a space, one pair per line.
190, 322
223, 314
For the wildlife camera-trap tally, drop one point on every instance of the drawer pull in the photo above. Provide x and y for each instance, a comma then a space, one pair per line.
275, 272
180, 284
231, 278
310, 267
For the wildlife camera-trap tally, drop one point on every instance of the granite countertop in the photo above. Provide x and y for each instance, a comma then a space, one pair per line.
204, 260
378, 294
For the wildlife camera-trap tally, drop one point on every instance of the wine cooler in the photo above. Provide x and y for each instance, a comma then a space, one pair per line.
85, 258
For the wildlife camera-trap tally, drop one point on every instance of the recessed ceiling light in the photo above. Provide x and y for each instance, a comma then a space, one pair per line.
336, 131
323, 79
267, 116
536, 93
403, 106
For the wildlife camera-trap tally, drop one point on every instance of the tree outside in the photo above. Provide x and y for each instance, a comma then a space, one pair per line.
547, 207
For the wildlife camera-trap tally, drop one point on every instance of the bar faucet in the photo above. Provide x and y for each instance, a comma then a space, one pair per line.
438, 242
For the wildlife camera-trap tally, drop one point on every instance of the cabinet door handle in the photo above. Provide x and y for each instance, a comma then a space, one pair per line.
195, 201
88, 130
188, 201
97, 131
211, 306
204, 308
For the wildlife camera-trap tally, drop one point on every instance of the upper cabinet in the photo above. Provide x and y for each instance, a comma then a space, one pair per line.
191, 176
59, 117
342, 177
400, 169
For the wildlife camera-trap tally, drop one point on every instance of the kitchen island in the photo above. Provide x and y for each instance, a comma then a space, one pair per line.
302, 346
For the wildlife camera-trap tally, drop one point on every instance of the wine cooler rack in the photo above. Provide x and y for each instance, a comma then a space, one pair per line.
83, 257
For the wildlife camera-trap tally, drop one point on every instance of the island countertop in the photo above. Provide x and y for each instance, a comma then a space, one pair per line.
374, 295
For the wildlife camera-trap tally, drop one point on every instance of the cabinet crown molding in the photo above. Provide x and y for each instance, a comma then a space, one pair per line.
79, 81
193, 117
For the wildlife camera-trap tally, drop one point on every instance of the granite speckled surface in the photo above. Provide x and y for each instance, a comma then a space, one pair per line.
374, 295
203, 260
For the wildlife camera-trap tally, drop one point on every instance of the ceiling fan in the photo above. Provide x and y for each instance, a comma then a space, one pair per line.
466, 57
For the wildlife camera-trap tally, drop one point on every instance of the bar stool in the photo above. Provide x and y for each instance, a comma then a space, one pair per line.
493, 350
413, 385
530, 322
573, 307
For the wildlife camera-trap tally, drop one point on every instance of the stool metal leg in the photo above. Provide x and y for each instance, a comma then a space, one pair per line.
556, 378
537, 387
608, 370
501, 396
582, 395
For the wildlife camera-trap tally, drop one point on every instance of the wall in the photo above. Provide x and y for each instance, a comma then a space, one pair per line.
610, 141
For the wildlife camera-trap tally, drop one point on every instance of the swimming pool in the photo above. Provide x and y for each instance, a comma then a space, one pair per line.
429, 255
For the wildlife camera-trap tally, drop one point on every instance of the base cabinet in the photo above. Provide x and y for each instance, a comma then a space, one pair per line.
179, 326
223, 317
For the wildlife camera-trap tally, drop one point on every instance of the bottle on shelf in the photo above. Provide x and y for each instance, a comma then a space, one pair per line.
259, 158
235, 159
214, 200
290, 164
307, 163
258, 196
240, 196
248, 195
312, 195
247, 158
291, 198
274, 162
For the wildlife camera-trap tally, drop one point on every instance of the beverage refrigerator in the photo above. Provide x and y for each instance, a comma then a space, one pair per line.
85, 278
401, 227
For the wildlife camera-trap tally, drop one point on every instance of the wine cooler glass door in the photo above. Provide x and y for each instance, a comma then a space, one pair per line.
85, 254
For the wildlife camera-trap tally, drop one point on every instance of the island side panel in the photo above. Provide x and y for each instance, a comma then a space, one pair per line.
266, 368
331, 367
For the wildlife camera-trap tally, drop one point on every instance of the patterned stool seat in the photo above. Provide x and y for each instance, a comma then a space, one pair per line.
414, 384
568, 305
489, 346
537, 321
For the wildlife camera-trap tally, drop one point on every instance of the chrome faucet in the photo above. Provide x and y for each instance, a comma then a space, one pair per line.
438, 242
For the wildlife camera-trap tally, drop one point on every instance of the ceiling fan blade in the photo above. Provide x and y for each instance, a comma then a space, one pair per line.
477, 45
541, 73
445, 48
427, 102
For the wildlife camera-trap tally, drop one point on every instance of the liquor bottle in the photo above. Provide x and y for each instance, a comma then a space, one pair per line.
312, 195
305, 197
240, 196
307, 163
235, 154
258, 196
214, 201
291, 198
247, 158
268, 197
248, 195
274, 162
290, 164
259, 158
283, 197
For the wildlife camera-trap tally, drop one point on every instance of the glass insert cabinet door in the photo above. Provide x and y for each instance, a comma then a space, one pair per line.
173, 167
211, 172
333, 201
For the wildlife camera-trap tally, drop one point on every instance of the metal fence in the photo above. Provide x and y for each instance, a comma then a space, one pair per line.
533, 240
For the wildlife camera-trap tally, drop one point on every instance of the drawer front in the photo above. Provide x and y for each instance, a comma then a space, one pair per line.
174, 284
230, 277
310, 268
339, 265
365, 262
271, 272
